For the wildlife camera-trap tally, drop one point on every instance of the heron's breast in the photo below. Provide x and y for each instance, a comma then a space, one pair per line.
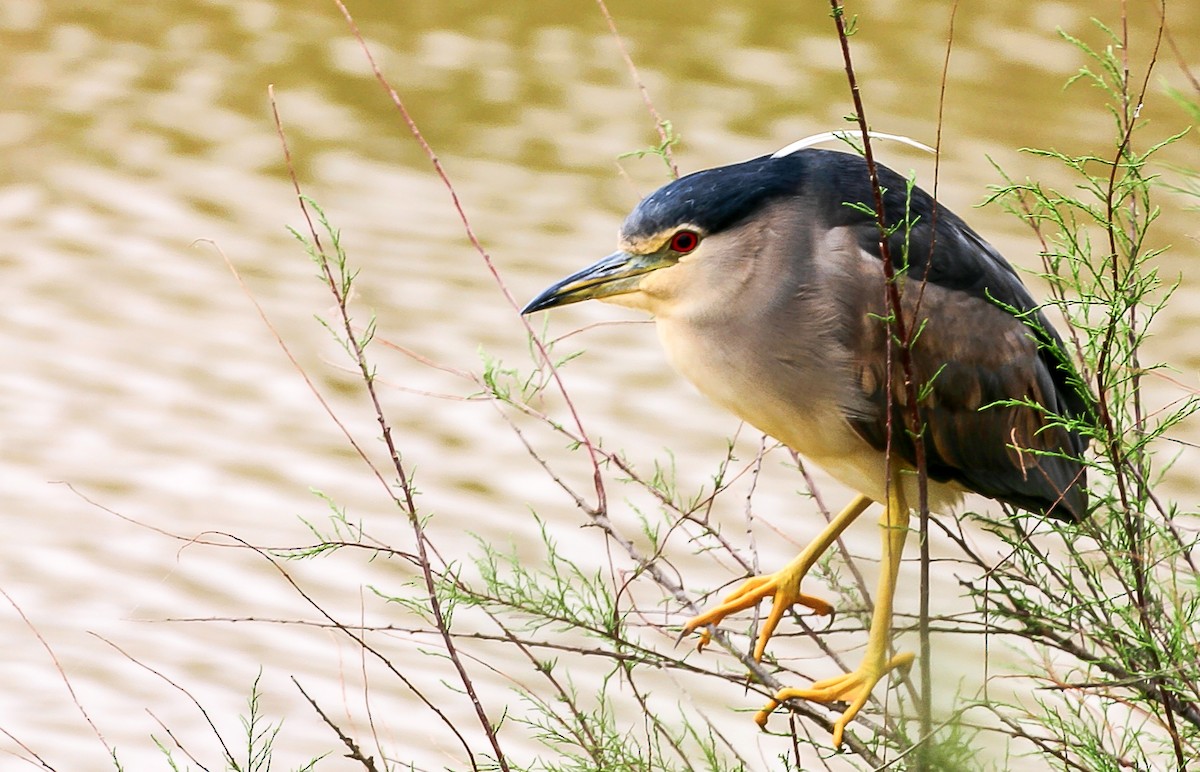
797, 405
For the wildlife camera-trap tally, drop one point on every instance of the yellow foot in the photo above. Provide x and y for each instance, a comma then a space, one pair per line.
783, 586
854, 688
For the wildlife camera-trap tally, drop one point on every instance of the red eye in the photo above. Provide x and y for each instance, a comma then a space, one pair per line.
685, 241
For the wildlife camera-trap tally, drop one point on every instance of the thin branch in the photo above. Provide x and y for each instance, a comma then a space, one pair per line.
355, 752
398, 103
406, 501
62, 673
898, 329
229, 757
659, 124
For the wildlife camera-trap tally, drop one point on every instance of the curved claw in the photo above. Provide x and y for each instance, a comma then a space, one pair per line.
783, 586
853, 687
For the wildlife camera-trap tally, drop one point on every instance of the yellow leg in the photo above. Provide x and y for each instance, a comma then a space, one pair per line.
856, 687
783, 585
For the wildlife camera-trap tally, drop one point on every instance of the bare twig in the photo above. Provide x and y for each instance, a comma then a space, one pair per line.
62, 674
355, 752
899, 329
597, 478
406, 501
659, 124
207, 719
36, 759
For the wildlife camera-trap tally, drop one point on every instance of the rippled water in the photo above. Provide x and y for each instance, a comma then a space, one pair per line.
138, 146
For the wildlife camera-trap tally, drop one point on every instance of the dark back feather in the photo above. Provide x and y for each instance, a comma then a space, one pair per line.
997, 382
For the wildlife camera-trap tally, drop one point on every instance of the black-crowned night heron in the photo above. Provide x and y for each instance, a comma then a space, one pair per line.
766, 284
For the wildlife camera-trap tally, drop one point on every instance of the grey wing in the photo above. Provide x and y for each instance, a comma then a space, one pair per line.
970, 358
973, 352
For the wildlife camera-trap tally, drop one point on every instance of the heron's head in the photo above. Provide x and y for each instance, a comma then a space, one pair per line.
691, 240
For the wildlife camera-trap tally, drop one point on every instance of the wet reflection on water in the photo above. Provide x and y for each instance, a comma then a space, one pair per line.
138, 372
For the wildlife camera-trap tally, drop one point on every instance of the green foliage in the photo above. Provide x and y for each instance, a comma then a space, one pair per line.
662, 150
259, 737
1117, 595
554, 591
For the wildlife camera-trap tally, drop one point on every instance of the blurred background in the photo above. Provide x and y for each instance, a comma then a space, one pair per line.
141, 396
